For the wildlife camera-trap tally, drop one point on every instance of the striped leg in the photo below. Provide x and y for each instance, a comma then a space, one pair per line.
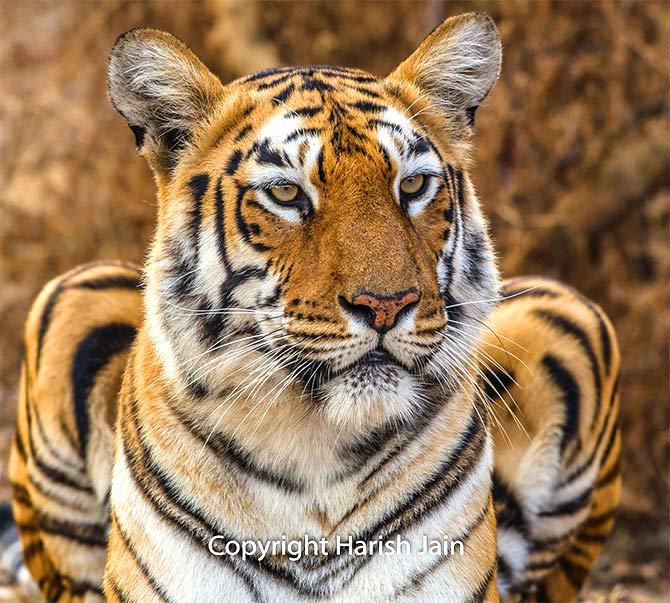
565, 580
60, 523
76, 340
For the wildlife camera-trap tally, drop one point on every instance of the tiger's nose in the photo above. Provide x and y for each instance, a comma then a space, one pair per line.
382, 312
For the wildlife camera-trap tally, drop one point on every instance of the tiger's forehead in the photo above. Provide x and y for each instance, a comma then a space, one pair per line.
340, 110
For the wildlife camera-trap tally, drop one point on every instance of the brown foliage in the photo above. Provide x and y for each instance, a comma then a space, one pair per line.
572, 158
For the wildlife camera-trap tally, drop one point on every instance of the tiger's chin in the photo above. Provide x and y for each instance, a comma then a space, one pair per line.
369, 395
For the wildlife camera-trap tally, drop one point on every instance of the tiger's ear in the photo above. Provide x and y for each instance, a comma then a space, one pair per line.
162, 90
456, 65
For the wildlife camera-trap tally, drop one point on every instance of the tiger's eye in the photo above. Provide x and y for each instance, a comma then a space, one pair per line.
285, 193
413, 184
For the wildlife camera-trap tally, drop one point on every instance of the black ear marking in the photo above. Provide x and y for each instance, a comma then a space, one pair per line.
139, 133
175, 139
470, 115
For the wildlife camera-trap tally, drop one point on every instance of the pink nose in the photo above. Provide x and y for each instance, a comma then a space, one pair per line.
381, 311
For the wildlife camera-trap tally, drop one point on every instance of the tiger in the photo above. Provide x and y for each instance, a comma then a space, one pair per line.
319, 346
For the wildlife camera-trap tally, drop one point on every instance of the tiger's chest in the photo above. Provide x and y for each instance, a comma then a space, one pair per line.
423, 530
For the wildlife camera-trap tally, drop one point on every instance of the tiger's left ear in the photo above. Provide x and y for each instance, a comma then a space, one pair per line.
456, 65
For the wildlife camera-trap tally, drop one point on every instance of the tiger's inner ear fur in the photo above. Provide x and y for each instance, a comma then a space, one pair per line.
162, 90
456, 65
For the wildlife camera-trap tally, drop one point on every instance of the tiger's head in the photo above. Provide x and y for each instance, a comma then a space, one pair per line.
318, 232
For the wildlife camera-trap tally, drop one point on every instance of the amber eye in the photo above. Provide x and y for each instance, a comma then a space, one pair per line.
413, 186
285, 193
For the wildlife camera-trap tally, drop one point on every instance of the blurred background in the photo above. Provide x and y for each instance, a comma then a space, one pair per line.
573, 168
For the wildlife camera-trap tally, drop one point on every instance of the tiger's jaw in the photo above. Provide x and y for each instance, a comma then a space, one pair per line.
371, 392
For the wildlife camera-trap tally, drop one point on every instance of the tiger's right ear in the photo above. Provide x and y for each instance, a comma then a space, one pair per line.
162, 90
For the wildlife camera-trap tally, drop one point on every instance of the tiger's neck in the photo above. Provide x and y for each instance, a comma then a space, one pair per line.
285, 440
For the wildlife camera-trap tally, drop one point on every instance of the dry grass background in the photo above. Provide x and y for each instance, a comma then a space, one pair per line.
572, 165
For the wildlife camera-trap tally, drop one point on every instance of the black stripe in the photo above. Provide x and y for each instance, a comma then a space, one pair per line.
52, 473
198, 186
367, 92
116, 590
567, 326
395, 128
227, 448
589, 538
92, 355
275, 82
460, 189
509, 512
367, 107
20, 448
301, 132
111, 282
312, 83
597, 521
266, 73
54, 496
306, 111
609, 426
541, 566
504, 379
475, 248
79, 588
266, 155
610, 443
34, 548
233, 163
55, 451
243, 132
239, 218
504, 569
45, 320
361, 79
322, 171
482, 589
419, 145
576, 574
221, 225
157, 588
605, 341
578, 503
82, 533
19, 494
564, 381
284, 95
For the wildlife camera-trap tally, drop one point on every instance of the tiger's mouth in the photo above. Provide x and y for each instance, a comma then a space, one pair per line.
377, 356
368, 369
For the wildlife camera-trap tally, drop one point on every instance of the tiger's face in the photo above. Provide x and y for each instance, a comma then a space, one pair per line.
318, 232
